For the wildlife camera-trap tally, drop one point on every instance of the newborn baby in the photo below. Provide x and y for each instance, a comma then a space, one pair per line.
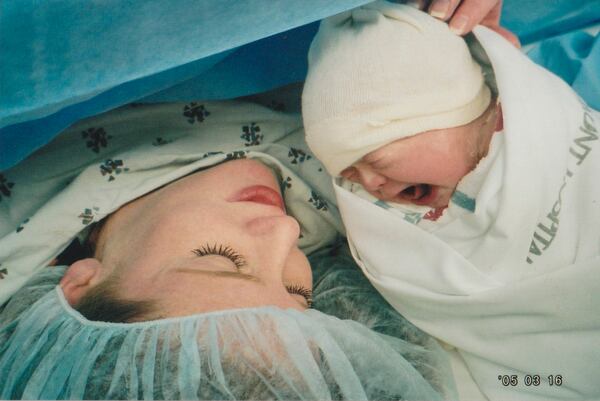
486, 240
406, 114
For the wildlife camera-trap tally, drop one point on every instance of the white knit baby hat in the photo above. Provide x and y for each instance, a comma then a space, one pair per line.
383, 72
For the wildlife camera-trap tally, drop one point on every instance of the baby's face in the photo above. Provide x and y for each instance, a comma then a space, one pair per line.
424, 169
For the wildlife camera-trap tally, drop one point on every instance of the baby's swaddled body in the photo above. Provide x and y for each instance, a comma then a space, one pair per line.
508, 272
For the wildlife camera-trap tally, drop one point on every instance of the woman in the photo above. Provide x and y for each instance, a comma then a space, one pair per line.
198, 289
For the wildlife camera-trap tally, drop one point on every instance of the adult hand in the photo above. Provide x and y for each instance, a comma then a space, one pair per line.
463, 15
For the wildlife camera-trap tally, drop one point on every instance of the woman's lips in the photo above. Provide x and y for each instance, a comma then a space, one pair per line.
260, 194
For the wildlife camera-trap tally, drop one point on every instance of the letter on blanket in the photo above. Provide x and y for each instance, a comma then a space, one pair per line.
589, 129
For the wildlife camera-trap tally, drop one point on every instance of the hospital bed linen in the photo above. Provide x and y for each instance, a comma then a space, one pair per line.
575, 57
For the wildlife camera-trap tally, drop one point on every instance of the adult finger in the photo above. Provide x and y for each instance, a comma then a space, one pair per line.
473, 12
443, 9
508, 35
420, 4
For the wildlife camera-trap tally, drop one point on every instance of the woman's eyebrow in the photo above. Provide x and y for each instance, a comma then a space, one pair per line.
219, 273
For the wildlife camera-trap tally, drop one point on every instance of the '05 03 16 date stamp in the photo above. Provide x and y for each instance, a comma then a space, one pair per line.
530, 380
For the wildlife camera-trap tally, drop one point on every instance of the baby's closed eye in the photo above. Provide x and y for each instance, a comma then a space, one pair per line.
380, 164
379, 159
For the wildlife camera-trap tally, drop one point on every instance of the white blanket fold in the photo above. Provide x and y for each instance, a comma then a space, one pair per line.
515, 286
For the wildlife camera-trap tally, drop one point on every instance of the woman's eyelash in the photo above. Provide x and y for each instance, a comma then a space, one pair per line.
221, 250
300, 290
239, 262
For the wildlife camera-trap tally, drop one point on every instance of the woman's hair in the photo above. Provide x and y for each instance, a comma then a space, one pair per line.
102, 302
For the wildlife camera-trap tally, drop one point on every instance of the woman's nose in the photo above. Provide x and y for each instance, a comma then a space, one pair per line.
284, 227
273, 238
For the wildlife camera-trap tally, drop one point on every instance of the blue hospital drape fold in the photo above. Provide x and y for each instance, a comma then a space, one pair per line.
64, 60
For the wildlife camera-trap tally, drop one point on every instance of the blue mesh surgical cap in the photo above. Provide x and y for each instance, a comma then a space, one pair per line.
49, 351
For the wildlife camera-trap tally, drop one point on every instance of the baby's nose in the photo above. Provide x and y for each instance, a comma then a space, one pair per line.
370, 179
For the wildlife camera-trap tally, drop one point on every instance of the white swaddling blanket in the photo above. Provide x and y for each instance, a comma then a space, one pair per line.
515, 286
101, 163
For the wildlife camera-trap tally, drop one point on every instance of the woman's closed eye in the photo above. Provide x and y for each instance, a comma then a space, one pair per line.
296, 289
221, 250
239, 261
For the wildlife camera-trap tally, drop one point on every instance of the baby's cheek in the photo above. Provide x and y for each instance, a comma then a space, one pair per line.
447, 171
459, 171
462, 162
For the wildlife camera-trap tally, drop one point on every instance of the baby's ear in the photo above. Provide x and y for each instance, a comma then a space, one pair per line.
81, 277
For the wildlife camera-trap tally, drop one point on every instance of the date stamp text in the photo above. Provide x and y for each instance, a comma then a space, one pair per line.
530, 380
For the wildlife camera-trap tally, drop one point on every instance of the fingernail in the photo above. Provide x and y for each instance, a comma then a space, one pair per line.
439, 9
459, 24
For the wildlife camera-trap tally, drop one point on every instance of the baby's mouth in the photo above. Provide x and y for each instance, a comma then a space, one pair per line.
420, 194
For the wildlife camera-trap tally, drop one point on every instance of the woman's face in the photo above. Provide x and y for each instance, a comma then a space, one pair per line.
425, 169
217, 239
